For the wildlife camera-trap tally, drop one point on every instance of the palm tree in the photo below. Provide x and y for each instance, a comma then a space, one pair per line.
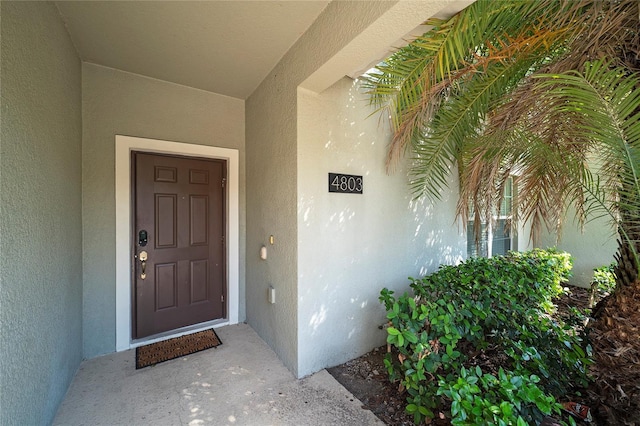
547, 92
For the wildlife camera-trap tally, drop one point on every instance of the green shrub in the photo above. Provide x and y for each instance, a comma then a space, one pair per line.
497, 306
505, 399
604, 280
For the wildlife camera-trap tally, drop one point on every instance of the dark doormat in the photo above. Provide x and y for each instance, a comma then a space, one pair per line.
174, 348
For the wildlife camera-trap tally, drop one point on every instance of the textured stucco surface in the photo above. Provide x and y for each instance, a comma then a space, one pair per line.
271, 133
591, 247
351, 246
116, 102
40, 224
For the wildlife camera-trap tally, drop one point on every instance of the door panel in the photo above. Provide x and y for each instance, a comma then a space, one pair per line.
198, 225
166, 207
199, 269
180, 203
166, 284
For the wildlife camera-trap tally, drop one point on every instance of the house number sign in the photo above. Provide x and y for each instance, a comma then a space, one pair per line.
346, 184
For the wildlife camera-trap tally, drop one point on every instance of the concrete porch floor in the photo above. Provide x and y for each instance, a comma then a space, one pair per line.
241, 382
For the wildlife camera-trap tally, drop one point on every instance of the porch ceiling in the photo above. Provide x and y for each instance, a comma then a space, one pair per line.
226, 47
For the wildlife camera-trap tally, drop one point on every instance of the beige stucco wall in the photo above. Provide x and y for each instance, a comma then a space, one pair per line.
591, 247
274, 139
120, 103
272, 171
40, 220
351, 246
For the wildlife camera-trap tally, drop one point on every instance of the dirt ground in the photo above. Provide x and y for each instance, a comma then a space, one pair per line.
613, 398
366, 378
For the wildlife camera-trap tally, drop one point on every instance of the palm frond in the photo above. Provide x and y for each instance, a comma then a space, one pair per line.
547, 91
419, 80
601, 111
606, 105
460, 116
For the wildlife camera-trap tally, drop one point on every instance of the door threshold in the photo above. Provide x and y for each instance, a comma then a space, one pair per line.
178, 332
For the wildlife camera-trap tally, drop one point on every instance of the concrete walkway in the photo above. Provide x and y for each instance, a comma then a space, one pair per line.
241, 382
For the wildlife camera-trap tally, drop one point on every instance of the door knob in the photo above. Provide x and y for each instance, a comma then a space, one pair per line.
143, 263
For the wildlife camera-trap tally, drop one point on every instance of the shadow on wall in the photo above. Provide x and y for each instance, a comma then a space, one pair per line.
353, 245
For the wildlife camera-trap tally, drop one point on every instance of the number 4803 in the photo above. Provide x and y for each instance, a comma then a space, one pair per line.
346, 183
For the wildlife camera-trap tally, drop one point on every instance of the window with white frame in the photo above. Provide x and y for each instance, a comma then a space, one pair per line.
496, 237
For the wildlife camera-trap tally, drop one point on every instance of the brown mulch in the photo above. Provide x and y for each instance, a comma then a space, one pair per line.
366, 378
615, 337
613, 396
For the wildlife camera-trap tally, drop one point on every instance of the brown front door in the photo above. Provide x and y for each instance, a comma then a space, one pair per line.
180, 224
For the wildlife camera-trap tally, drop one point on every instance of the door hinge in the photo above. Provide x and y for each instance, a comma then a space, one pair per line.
224, 182
222, 298
222, 239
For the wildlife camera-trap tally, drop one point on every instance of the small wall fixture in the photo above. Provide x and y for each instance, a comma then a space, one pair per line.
263, 253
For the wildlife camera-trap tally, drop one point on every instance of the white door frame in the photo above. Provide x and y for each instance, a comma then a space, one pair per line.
124, 146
